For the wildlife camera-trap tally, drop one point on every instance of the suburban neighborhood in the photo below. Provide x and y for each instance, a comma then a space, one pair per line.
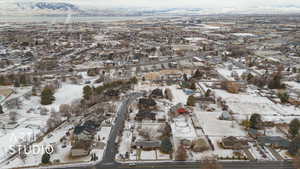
147, 92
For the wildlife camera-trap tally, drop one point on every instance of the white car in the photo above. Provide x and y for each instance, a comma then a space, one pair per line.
132, 164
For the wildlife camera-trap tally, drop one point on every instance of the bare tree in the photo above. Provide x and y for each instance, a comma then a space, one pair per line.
181, 153
149, 133
296, 161
57, 84
54, 120
76, 107
210, 163
65, 110
168, 94
12, 116
14, 103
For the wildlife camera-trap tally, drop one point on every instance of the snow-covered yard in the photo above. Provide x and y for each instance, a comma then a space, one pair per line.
212, 126
293, 85
32, 124
182, 128
61, 153
66, 95
243, 105
261, 153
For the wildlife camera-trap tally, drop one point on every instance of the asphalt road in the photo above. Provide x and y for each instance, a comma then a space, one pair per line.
227, 165
192, 165
111, 150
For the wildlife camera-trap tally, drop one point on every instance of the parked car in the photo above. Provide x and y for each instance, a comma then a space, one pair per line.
132, 164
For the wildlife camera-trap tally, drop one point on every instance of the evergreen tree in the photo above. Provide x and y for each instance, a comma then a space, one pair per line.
47, 96
166, 146
255, 121
198, 74
87, 92
249, 77
294, 146
1, 109
185, 78
2, 81
294, 70
193, 86
46, 158
16, 83
207, 93
134, 80
191, 101
284, 97
294, 128
23, 80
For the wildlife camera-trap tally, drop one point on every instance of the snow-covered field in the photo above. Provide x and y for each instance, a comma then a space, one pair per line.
244, 34
182, 128
33, 124
35, 158
61, 153
66, 95
293, 85
212, 126
243, 105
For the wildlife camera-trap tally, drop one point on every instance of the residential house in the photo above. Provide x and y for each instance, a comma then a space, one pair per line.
148, 145
112, 93
182, 111
83, 136
145, 115
147, 104
234, 143
254, 133
157, 93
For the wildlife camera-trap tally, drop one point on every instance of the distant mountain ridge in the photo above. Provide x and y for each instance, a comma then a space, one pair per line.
64, 7
56, 6
48, 5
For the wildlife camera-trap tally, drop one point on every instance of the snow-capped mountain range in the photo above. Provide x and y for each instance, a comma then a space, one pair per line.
46, 5
24, 7
37, 8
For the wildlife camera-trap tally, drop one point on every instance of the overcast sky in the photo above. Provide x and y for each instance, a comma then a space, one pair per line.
188, 3
178, 3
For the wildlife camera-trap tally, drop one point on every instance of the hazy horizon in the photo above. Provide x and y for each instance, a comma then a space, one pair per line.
173, 3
